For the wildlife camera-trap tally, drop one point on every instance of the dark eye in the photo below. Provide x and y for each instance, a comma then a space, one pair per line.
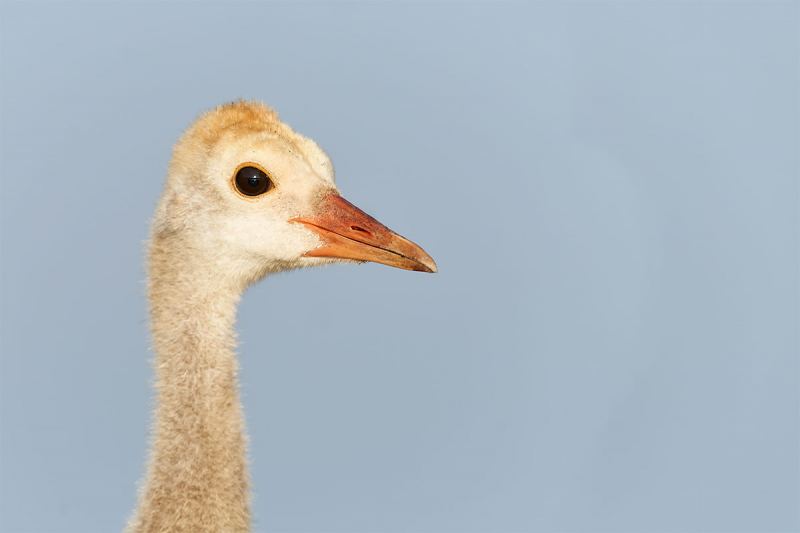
252, 181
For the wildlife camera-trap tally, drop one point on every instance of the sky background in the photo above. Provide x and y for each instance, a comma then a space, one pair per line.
610, 190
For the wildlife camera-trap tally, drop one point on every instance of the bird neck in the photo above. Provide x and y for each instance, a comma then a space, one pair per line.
197, 478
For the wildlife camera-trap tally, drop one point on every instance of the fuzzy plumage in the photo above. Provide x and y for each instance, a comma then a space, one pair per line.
205, 249
209, 242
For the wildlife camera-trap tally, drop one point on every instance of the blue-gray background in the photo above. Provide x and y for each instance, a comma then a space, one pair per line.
610, 190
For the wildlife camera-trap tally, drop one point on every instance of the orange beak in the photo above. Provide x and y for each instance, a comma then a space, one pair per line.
347, 232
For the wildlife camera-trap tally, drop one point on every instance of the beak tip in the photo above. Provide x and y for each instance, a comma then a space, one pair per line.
424, 262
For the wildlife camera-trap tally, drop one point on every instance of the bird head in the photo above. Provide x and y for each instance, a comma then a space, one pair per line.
253, 196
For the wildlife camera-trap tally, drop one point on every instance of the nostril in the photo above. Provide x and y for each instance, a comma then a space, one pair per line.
359, 228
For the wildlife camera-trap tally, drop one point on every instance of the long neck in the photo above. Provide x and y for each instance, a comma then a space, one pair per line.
197, 478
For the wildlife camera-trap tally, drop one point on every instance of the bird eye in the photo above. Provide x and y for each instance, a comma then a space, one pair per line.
252, 181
